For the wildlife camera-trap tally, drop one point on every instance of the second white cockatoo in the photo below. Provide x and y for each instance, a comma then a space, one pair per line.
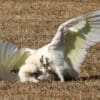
63, 56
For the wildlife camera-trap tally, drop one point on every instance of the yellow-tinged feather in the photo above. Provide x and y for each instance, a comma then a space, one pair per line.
77, 42
10, 57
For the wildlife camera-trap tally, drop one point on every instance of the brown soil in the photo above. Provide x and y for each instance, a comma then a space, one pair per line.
33, 23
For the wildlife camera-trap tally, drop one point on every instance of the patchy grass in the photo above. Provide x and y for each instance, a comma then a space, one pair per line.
33, 23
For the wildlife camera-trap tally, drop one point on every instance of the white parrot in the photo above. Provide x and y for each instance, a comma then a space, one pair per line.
62, 56
66, 52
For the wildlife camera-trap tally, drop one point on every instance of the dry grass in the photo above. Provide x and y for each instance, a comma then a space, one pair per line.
33, 23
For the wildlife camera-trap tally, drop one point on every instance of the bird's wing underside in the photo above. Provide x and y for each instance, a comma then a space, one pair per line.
79, 34
10, 57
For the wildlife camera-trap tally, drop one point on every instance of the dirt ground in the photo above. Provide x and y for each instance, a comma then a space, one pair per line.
33, 23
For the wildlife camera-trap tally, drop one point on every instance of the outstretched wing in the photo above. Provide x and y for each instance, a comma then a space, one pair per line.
10, 57
83, 33
79, 34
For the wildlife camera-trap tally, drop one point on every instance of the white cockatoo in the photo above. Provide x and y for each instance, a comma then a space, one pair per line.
67, 50
62, 56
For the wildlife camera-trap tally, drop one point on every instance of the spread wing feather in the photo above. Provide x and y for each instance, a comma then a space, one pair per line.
10, 56
82, 33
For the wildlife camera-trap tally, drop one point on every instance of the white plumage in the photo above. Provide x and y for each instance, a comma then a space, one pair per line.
65, 53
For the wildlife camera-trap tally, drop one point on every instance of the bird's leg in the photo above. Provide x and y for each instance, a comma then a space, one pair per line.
60, 75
